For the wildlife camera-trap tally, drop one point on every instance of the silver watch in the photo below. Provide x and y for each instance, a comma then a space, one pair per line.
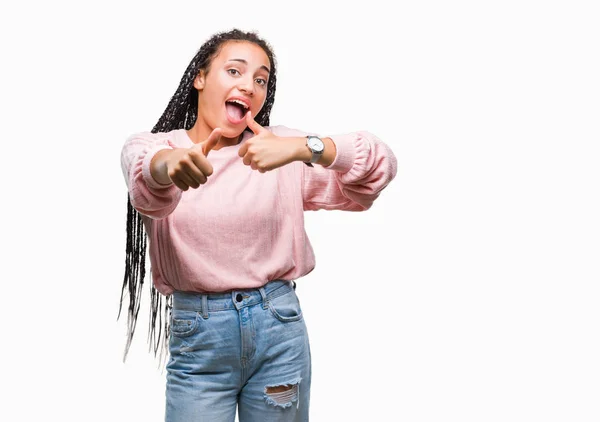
316, 147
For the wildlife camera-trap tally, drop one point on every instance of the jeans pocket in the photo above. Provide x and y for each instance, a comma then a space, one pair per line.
184, 323
286, 308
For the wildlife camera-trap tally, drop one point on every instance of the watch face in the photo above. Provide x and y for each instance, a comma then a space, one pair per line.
316, 144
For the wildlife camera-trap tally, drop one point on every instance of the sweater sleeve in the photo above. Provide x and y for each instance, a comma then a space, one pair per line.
362, 168
147, 196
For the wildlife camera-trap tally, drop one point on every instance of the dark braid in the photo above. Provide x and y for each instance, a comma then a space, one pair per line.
181, 112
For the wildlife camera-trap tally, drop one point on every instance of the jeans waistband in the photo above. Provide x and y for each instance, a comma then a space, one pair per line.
235, 299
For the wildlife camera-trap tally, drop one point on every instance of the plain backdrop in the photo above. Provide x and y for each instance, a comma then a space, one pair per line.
468, 292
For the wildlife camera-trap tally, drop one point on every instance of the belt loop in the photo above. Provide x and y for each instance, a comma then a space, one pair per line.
265, 301
205, 306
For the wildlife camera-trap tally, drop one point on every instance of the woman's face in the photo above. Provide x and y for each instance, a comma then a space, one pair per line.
236, 82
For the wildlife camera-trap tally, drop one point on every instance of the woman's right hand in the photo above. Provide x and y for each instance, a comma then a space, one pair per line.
185, 167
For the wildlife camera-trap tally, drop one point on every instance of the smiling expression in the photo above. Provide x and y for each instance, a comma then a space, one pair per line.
236, 81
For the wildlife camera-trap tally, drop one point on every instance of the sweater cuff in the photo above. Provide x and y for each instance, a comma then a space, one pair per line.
345, 153
150, 182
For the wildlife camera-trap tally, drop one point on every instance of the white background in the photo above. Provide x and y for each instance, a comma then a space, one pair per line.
469, 292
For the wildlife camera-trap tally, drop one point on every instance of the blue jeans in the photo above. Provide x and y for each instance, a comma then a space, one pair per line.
247, 349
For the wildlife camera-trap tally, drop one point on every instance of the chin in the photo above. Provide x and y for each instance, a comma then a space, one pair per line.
232, 133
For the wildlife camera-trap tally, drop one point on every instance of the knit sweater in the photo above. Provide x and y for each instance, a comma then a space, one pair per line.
243, 228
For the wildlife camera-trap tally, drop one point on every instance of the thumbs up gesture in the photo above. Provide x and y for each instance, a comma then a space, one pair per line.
189, 167
265, 151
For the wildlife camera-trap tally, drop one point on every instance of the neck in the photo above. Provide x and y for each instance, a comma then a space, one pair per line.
198, 134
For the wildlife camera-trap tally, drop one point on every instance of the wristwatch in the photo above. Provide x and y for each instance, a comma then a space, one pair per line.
316, 147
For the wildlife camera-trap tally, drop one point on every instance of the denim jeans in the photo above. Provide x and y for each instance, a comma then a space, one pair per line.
245, 349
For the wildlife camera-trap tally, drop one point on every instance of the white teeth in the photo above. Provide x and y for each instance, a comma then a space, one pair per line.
239, 102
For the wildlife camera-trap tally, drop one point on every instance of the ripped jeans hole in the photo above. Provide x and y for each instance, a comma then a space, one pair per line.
282, 395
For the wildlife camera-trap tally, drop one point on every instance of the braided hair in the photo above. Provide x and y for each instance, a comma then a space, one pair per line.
181, 112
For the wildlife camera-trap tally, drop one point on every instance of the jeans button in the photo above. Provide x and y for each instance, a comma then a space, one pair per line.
239, 297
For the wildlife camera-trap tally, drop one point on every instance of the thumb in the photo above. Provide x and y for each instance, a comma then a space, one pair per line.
252, 124
211, 141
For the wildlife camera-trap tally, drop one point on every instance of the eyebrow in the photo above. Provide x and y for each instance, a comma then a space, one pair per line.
245, 62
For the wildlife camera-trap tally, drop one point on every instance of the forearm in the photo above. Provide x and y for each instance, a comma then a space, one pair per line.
158, 167
364, 165
304, 154
147, 195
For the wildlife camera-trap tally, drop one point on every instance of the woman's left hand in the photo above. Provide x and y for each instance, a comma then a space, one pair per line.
266, 151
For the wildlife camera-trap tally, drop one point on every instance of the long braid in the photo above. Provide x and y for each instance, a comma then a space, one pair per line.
181, 112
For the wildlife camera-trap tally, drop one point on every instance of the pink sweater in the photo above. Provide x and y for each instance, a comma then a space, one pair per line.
243, 228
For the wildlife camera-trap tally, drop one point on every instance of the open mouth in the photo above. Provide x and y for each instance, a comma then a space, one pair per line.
236, 110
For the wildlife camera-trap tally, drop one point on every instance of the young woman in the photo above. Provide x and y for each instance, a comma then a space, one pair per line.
220, 195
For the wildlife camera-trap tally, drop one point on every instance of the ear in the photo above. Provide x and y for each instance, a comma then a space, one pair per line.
200, 80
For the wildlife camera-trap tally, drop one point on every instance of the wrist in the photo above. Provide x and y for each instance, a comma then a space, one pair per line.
302, 153
159, 169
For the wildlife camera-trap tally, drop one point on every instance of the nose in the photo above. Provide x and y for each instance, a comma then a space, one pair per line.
247, 86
